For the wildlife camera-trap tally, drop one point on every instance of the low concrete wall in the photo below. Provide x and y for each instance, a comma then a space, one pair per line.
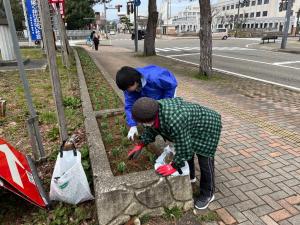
136, 194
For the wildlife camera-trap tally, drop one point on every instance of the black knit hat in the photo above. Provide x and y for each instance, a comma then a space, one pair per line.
126, 77
144, 110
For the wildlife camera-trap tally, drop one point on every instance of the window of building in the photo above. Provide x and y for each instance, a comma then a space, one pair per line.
276, 25
257, 14
232, 6
266, 1
228, 7
246, 15
265, 25
224, 8
253, 3
236, 6
270, 25
265, 13
259, 2
251, 14
261, 25
241, 15
256, 25
247, 4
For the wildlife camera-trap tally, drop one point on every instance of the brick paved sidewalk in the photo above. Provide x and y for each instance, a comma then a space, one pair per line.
258, 159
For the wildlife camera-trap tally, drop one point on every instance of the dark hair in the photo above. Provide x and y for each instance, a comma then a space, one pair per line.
127, 76
144, 110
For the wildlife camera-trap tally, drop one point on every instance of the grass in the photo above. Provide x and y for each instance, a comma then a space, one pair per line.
121, 167
48, 117
32, 53
101, 94
173, 213
209, 217
145, 219
14, 210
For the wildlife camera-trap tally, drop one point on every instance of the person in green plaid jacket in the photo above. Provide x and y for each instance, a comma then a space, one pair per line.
194, 129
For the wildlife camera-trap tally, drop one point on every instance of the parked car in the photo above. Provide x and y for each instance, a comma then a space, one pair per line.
112, 32
141, 35
220, 33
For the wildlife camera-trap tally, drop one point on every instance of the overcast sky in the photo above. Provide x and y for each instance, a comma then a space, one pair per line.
177, 5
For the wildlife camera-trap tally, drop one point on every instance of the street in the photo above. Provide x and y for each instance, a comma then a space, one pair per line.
240, 57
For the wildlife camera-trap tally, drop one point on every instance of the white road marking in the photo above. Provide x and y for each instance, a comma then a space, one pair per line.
287, 62
248, 60
178, 49
237, 74
256, 43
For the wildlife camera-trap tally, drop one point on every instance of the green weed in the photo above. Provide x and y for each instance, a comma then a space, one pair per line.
108, 138
72, 102
48, 117
145, 218
173, 213
209, 217
53, 134
116, 151
121, 167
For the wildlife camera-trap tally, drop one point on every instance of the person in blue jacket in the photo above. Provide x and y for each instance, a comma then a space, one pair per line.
150, 81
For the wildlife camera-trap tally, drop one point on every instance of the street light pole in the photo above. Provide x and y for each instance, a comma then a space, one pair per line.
238, 18
287, 24
135, 29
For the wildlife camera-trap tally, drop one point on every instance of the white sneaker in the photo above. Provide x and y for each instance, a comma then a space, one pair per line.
193, 180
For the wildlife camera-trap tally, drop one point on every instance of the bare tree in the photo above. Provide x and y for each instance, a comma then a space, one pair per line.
149, 43
205, 67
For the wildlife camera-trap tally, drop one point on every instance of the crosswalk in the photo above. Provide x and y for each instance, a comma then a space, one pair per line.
180, 49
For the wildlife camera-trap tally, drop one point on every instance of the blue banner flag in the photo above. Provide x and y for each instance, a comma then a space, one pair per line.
33, 19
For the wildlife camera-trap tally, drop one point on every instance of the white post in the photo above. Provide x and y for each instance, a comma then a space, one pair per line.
6, 44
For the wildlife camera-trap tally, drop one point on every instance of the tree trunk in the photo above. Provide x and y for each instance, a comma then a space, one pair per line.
205, 67
149, 43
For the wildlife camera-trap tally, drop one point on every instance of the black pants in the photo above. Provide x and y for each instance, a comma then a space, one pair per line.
207, 170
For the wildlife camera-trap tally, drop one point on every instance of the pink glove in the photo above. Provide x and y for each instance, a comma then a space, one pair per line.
136, 151
166, 170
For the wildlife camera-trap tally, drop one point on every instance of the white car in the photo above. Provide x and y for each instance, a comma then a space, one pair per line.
220, 33
112, 32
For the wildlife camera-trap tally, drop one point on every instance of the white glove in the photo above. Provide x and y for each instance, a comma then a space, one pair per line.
133, 131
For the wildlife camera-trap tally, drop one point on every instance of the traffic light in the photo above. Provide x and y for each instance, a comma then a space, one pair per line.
130, 7
118, 7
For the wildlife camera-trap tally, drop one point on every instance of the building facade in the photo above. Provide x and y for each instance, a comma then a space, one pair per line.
187, 20
256, 14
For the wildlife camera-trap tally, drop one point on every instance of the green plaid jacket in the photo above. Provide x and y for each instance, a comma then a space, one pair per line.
192, 128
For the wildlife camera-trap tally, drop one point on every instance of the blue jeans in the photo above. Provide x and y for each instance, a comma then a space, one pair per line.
207, 176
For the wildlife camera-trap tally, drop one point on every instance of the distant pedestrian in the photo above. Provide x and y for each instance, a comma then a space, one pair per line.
96, 40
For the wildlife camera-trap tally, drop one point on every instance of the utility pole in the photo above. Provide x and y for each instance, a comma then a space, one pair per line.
136, 36
51, 57
105, 19
298, 25
287, 24
238, 18
36, 140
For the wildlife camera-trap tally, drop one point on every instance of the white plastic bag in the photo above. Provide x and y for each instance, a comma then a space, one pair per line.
69, 183
161, 161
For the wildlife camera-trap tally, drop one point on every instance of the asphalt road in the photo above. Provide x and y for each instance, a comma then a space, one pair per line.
240, 57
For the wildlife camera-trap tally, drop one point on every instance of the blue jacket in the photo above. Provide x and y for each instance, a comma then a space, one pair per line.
157, 83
